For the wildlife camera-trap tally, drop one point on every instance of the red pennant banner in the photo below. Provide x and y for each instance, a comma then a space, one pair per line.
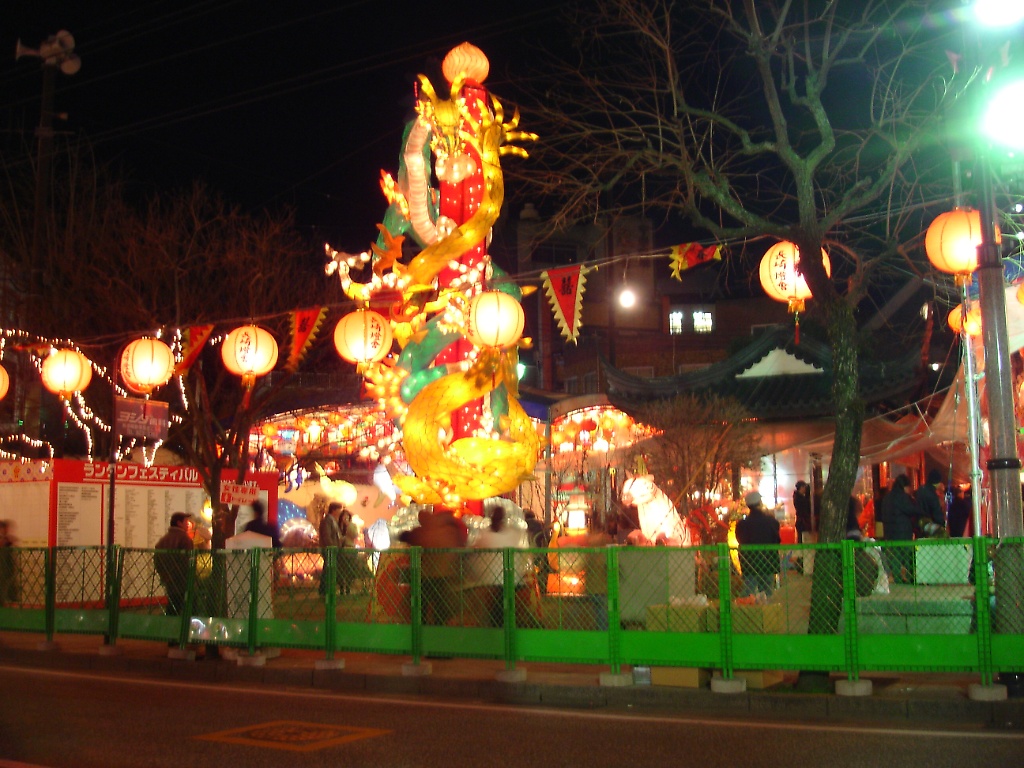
690, 255
305, 323
565, 287
195, 338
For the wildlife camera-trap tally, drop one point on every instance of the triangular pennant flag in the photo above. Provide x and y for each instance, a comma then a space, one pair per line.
305, 323
690, 255
195, 338
565, 287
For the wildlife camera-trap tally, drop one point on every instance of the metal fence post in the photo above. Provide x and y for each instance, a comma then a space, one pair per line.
50, 593
982, 611
416, 602
114, 597
190, 600
329, 578
614, 619
725, 609
849, 576
254, 598
509, 606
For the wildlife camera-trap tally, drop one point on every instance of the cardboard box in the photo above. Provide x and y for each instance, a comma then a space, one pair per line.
680, 677
671, 618
758, 619
757, 679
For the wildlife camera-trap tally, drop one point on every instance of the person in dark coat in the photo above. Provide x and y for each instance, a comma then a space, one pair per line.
259, 524
959, 512
802, 505
760, 568
931, 515
898, 515
171, 561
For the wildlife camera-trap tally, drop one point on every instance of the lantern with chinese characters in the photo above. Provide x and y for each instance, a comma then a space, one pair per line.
363, 337
781, 278
65, 372
494, 319
145, 365
249, 352
5, 382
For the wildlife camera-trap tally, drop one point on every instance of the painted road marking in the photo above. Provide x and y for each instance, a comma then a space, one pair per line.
293, 735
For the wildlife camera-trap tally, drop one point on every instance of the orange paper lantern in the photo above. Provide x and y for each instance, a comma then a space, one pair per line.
5, 382
249, 352
65, 372
145, 365
952, 241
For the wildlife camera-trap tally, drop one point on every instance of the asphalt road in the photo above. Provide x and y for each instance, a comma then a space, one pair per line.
82, 720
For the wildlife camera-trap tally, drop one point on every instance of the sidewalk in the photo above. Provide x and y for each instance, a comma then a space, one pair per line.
897, 699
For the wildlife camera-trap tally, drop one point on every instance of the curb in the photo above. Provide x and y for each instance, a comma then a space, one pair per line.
783, 705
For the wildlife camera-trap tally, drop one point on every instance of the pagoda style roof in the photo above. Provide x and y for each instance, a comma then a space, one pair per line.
773, 377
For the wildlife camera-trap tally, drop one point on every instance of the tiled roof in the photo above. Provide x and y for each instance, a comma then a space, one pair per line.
775, 395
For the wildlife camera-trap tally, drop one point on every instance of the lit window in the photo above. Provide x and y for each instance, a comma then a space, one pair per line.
703, 322
675, 321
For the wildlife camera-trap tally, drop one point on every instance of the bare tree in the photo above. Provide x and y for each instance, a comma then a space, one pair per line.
760, 120
117, 268
702, 441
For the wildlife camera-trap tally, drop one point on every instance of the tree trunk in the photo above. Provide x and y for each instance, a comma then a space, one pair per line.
827, 590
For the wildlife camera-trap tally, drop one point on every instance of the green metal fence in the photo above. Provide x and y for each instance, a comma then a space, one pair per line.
932, 605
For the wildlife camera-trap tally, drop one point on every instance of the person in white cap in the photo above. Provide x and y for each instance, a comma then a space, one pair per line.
760, 568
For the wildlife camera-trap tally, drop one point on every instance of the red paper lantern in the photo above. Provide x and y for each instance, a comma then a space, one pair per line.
145, 365
363, 337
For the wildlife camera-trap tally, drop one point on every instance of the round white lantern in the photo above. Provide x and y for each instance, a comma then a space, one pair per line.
65, 372
495, 319
5, 382
145, 365
363, 337
952, 241
780, 274
249, 351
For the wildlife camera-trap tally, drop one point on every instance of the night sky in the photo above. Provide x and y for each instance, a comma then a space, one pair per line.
271, 102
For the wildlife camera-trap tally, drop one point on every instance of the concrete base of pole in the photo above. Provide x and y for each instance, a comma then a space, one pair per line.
728, 685
329, 664
853, 687
615, 679
181, 654
417, 670
111, 650
517, 675
979, 692
47, 645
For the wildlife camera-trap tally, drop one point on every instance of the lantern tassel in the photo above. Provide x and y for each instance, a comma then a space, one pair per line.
796, 325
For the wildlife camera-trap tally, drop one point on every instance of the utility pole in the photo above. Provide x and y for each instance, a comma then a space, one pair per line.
57, 53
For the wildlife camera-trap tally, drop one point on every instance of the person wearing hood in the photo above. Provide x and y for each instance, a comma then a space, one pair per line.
761, 567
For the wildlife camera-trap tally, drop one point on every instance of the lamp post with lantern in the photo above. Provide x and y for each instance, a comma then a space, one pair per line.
951, 244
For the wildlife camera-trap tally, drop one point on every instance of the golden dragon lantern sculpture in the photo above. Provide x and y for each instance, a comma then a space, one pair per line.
450, 389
